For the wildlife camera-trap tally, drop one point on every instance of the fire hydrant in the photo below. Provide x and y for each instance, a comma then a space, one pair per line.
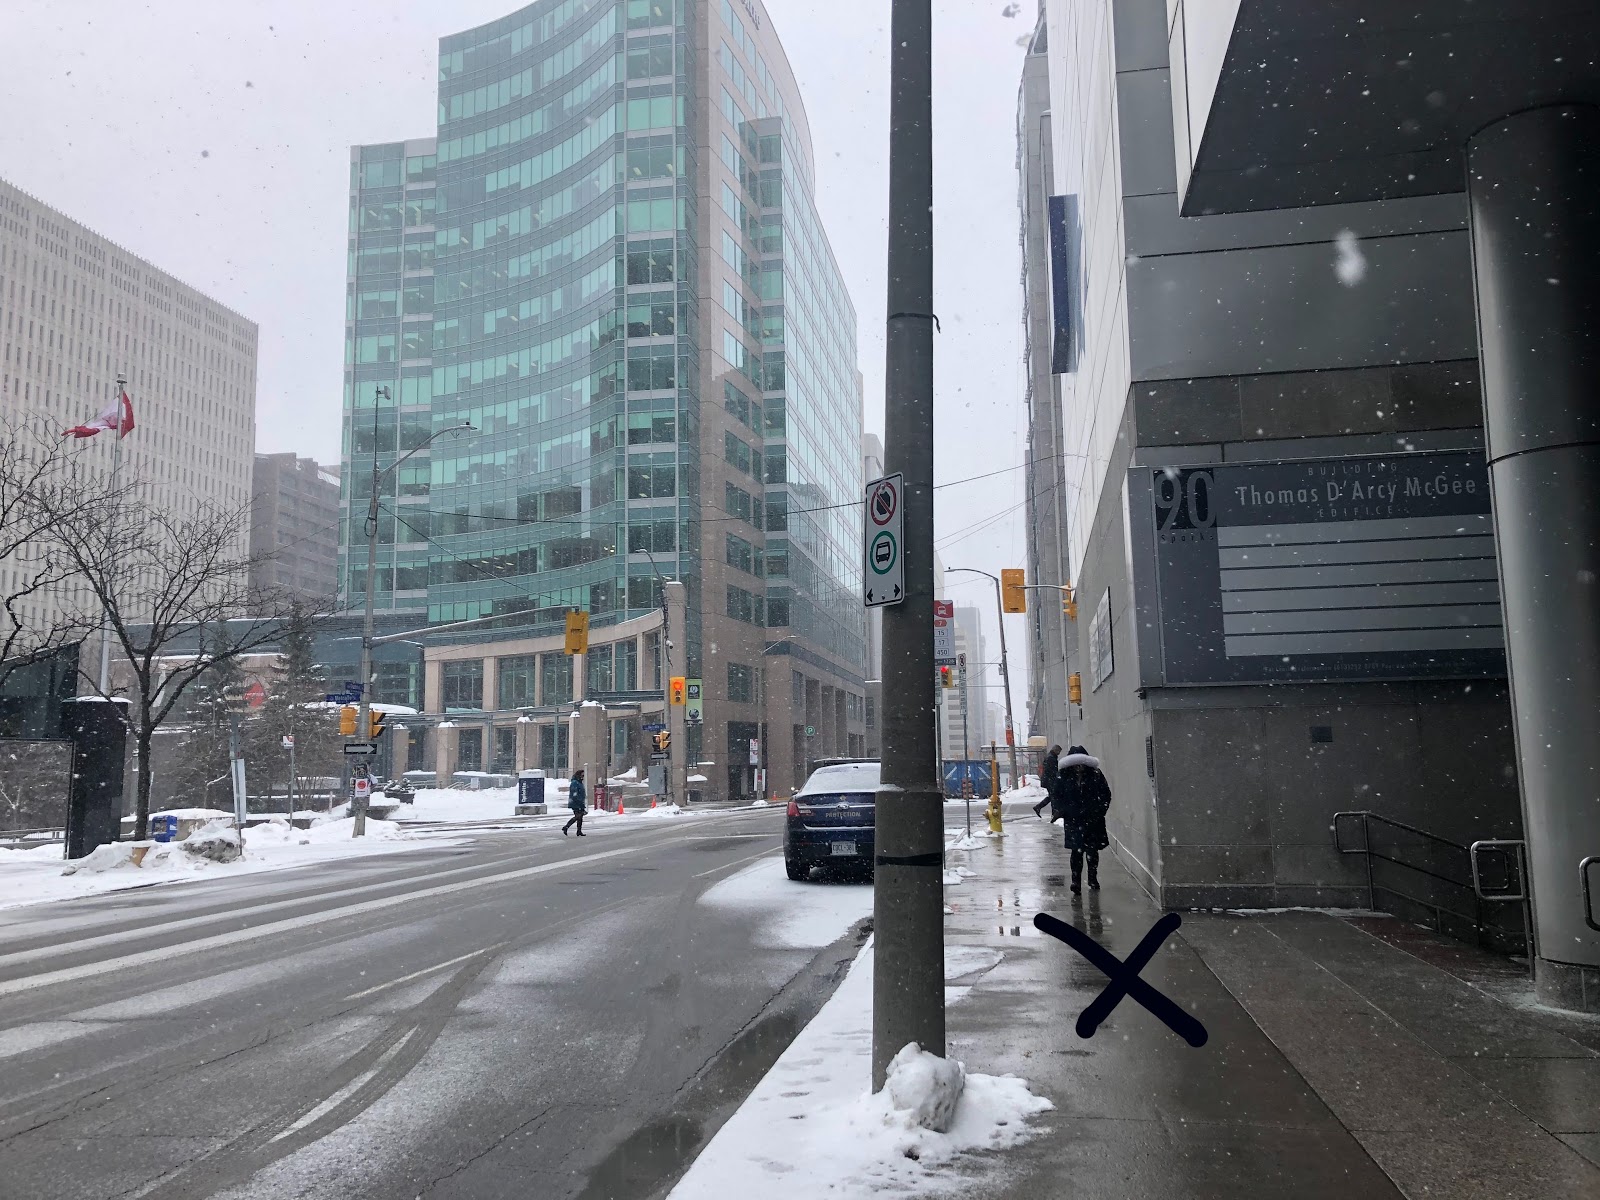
993, 813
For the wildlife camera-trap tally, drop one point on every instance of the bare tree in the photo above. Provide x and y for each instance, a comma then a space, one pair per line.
173, 590
36, 492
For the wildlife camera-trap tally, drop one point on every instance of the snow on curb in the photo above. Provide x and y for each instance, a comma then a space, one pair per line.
39, 875
812, 1128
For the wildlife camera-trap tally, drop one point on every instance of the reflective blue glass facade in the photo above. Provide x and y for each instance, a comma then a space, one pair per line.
608, 260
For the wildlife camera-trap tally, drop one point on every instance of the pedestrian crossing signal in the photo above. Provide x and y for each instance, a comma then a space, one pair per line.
1069, 603
663, 741
347, 721
375, 725
1075, 688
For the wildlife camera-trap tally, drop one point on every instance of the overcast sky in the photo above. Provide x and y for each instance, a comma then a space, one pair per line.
213, 139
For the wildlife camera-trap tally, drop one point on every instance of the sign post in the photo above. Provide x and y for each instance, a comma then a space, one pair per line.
885, 567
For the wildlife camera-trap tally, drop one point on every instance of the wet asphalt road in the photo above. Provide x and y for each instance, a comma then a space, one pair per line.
523, 1015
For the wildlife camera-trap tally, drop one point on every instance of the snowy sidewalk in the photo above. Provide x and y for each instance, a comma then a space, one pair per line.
1346, 1056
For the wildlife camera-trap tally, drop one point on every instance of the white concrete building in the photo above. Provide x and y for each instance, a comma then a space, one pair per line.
75, 309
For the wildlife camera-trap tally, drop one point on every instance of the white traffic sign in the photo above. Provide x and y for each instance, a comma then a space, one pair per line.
884, 572
944, 633
361, 748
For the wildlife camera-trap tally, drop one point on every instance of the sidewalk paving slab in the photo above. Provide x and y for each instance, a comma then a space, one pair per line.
1338, 1062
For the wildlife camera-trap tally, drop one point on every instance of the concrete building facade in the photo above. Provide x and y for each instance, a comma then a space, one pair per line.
1276, 500
1050, 633
608, 260
294, 528
75, 310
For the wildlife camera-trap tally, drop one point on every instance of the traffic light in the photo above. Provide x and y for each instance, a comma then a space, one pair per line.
946, 677
663, 741
577, 633
1075, 688
347, 721
1013, 597
1069, 603
678, 689
375, 725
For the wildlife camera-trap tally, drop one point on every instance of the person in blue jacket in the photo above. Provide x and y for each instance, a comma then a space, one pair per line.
576, 802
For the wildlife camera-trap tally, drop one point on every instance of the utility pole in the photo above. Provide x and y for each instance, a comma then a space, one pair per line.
966, 754
364, 709
1005, 662
908, 920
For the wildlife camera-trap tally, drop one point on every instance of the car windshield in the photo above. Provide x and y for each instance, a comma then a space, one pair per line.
843, 777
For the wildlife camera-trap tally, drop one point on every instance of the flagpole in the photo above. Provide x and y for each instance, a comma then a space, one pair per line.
111, 541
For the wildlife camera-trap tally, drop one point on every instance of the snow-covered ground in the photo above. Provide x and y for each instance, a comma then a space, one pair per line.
787, 914
813, 1128
37, 875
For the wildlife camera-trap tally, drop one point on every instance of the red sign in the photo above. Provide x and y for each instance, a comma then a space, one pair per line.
255, 695
599, 795
945, 609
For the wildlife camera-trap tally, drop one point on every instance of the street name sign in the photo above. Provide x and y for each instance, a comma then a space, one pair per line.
884, 570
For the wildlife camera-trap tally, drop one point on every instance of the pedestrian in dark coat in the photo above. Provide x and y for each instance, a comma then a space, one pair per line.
1048, 770
576, 801
1080, 799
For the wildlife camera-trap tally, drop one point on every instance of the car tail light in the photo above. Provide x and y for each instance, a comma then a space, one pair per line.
794, 809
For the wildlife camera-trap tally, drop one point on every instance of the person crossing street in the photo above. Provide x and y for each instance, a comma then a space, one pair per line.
577, 802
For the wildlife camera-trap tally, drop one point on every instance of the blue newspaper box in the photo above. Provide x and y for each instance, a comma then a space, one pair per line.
163, 828
530, 787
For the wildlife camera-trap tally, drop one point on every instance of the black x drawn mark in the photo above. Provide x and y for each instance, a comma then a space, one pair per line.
1124, 977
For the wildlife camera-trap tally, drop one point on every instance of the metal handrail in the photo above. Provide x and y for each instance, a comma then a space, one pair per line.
1472, 884
1588, 901
1522, 868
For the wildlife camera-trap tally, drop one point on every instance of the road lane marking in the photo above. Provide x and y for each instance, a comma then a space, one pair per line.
418, 975
142, 957
736, 862
55, 949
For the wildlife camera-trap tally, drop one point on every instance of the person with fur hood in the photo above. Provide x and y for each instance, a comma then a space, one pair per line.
1079, 798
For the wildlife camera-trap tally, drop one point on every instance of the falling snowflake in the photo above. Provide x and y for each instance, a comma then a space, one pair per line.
1351, 265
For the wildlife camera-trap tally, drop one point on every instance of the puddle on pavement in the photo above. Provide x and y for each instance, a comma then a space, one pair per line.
656, 1152
646, 1157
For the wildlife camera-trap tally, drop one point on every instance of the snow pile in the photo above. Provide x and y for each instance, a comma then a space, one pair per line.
1031, 794
922, 1089
461, 804
33, 876
759, 804
968, 842
662, 810
839, 1139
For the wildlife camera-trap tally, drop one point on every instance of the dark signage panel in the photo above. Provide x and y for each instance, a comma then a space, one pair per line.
1349, 568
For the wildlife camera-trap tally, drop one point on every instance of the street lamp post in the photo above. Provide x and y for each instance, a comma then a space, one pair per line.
1005, 662
364, 715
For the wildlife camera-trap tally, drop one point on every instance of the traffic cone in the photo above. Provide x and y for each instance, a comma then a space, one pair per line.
652, 804
620, 810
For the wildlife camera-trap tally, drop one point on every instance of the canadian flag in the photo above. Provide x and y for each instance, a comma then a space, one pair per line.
118, 416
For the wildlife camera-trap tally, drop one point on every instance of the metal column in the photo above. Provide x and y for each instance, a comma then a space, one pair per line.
1533, 189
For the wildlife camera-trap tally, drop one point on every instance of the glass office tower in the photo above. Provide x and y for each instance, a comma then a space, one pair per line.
609, 262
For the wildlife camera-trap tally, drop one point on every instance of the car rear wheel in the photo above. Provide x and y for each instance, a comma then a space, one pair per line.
797, 870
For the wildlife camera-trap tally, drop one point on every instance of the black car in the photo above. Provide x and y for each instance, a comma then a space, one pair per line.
831, 819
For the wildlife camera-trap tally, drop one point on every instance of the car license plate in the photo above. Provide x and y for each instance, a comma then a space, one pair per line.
840, 848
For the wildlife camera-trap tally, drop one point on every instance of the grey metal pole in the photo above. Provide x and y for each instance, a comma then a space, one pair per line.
908, 970
111, 534
966, 753
1005, 673
364, 712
